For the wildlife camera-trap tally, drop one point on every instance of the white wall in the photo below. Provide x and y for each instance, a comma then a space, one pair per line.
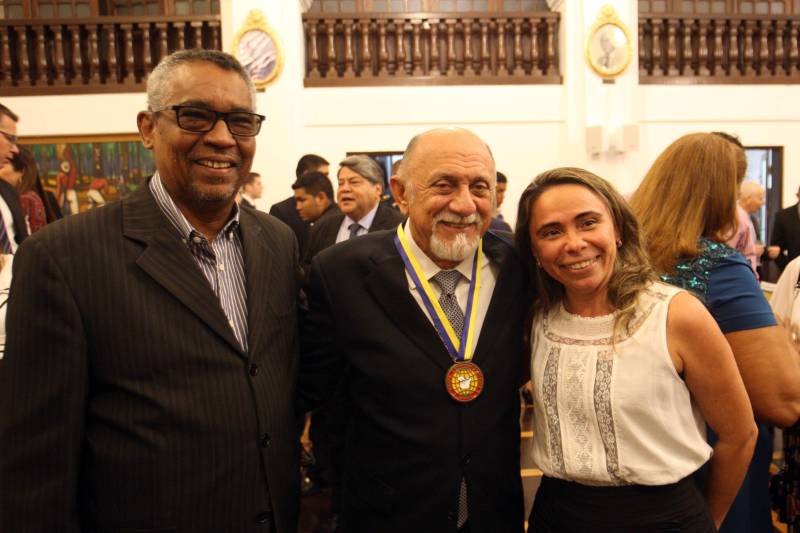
529, 128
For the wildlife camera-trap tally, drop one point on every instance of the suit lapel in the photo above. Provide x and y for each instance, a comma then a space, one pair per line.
168, 261
258, 274
389, 287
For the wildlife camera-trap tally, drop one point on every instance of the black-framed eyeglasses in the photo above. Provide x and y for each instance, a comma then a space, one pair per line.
10, 138
202, 120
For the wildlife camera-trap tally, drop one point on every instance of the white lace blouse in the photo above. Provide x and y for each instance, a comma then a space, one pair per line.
613, 415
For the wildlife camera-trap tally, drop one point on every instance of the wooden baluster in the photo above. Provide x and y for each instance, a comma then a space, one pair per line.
702, 46
197, 34
518, 71
349, 71
780, 53
551, 67
689, 66
502, 60
383, 51
180, 44
749, 44
642, 27
330, 33
111, 50
6, 76
77, 58
451, 47
408, 53
538, 56
434, 48
216, 35
127, 70
94, 54
416, 31
674, 58
60, 77
25, 63
466, 35
366, 55
764, 66
313, 53
41, 74
658, 43
717, 67
147, 53
794, 54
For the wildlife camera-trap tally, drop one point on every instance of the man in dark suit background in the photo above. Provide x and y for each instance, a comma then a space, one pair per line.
251, 190
785, 240
358, 195
313, 195
498, 223
416, 458
286, 210
149, 376
14, 228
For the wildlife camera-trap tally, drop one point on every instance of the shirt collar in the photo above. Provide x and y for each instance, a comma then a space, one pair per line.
178, 220
429, 268
366, 220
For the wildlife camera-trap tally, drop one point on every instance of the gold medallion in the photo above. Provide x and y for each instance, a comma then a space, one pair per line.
464, 381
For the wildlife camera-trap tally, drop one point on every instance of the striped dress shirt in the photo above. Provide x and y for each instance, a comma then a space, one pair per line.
220, 261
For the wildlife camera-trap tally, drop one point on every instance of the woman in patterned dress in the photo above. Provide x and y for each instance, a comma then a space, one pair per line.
686, 205
625, 369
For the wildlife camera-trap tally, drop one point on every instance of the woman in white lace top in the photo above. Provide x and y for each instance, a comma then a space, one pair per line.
625, 371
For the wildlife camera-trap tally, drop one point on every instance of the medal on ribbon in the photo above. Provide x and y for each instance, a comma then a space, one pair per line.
464, 380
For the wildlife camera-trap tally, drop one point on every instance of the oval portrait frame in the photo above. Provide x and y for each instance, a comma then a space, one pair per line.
258, 49
604, 54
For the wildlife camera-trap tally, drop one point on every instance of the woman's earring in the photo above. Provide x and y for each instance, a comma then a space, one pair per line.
619, 243
538, 264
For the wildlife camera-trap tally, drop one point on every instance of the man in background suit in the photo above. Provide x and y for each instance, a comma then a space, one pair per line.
13, 228
423, 453
251, 190
358, 195
498, 223
785, 241
313, 194
286, 210
149, 376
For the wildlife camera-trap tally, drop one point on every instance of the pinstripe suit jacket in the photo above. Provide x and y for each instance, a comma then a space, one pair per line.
127, 402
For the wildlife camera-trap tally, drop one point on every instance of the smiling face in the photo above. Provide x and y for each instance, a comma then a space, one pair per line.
200, 170
575, 240
448, 188
355, 194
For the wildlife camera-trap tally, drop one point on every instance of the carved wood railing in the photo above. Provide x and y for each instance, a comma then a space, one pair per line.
94, 55
431, 49
719, 49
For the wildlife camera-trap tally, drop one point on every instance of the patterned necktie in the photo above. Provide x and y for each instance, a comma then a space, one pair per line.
354, 227
447, 280
5, 242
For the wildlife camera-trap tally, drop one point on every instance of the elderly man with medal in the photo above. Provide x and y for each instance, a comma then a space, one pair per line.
422, 328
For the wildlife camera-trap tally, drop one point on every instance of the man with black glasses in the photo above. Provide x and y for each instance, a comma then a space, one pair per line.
13, 228
150, 363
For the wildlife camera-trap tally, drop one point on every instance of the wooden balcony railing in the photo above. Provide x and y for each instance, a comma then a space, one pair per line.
94, 55
719, 49
431, 49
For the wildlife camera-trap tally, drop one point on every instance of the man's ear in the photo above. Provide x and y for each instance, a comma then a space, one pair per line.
147, 126
399, 191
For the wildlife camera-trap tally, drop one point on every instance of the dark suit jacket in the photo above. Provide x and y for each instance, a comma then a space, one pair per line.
247, 203
408, 443
498, 224
128, 403
11, 197
286, 212
324, 232
786, 234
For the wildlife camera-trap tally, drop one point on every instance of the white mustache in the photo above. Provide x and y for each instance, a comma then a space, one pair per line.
449, 216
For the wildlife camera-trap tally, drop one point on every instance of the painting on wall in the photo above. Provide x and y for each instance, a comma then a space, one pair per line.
84, 172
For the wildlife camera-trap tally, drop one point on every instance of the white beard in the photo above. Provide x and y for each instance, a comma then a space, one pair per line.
461, 246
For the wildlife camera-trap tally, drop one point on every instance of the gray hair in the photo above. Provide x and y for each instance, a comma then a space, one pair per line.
159, 81
366, 167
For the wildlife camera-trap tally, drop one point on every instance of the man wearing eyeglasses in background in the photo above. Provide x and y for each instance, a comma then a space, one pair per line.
151, 355
13, 228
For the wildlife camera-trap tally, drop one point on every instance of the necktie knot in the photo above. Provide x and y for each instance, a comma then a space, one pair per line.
354, 227
447, 280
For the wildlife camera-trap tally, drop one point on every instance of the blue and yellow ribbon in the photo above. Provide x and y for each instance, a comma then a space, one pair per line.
460, 349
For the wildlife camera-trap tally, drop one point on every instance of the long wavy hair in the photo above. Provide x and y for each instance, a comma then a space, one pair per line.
632, 272
688, 193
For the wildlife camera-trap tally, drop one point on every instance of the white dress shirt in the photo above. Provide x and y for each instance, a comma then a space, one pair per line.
8, 219
365, 223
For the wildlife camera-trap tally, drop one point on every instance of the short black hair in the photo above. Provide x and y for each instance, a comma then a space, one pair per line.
308, 163
315, 182
250, 178
501, 178
7, 112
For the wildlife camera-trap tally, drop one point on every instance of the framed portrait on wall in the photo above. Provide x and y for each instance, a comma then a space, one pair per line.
257, 48
608, 45
87, 171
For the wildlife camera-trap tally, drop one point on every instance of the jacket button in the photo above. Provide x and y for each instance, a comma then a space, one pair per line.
265, 440
254, 370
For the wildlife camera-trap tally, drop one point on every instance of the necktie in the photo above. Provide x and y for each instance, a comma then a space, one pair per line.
447, 280
354, 227
5, 243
